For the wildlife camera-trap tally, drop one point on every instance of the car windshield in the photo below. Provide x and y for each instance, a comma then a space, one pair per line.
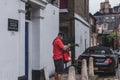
96, 51
117, 50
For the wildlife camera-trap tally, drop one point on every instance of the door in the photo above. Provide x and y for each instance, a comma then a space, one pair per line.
26, 49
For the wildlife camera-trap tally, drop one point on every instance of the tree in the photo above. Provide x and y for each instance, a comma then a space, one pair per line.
111, 36
108, 39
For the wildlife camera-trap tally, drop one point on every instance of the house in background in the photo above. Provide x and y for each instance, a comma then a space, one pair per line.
106, 19
117, 31
93, 33
116, 9
74, 17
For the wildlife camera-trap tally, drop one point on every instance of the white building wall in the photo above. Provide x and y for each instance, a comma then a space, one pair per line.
45, 27
48, 31
11, 56
35, 39
21, 39
81, 35
42, 33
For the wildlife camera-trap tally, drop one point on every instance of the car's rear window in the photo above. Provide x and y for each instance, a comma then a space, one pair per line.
97, 51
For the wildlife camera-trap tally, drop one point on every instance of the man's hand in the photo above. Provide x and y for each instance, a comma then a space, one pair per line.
66, 47
69, 45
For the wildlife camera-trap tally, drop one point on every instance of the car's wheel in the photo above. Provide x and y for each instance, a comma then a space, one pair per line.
114, 72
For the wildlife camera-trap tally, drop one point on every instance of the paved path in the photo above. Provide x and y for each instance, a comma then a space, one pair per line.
104, 77
65, 77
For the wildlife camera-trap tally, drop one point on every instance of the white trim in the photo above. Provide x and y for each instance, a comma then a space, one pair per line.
30, 50
63, 10
38, 17
40, 3
21, 11
81, 19
28, 21
24, 1
45, 1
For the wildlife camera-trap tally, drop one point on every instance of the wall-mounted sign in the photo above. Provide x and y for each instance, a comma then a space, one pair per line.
12, 25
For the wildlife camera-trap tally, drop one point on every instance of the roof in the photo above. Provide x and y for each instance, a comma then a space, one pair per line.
92, 16
98, 13
99, 47
116, 7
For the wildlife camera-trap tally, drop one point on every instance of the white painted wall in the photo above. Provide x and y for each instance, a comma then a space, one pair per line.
11, 56
35, 39
21, 39
81, 33
48, 31
12, 44
45, 27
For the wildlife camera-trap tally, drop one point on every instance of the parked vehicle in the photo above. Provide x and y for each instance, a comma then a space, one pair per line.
104, 59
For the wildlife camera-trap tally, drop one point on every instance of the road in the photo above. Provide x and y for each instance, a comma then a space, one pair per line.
110, 76
100, 77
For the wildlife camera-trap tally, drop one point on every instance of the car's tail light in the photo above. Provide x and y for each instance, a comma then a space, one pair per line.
108, 60
79, 59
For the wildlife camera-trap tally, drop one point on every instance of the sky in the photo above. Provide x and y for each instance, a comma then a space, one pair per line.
94, 5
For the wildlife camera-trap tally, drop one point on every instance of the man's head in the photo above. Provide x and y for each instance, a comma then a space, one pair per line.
61, 35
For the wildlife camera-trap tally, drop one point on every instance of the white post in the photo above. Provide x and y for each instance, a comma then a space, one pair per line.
91, 67
84, 74
46, 73
71, 73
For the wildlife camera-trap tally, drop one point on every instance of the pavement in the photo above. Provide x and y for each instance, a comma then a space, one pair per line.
65, 77
96, 77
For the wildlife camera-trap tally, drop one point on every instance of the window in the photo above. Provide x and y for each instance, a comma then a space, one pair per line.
63, 4
107, 18
54, 2
119, 9
100, 19
105, 26
113, 17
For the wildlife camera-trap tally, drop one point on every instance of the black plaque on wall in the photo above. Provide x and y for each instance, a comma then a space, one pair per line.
12, 25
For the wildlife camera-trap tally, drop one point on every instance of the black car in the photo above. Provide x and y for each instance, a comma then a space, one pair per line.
104, 59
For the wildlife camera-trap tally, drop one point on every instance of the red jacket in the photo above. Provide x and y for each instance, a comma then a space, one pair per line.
57, 49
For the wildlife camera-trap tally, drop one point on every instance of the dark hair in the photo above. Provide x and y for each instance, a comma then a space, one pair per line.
61, 33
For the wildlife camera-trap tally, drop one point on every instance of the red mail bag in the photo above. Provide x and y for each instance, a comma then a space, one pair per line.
66, 57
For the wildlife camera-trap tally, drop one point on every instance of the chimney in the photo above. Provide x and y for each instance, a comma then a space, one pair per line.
102, 6
106, 0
